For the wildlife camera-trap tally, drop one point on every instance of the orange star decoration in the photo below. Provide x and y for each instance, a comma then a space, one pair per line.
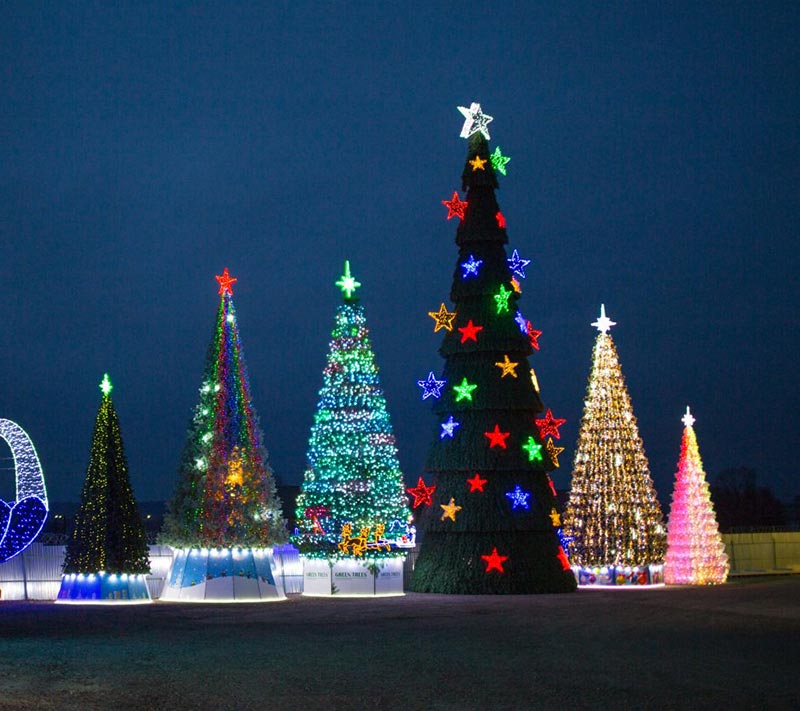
516, 287
225, 282
555, 517
477, 163
450, 510
497, 438
455, 207
553, 451
495, 561
507, 367
476, 483
443, 318
470, 332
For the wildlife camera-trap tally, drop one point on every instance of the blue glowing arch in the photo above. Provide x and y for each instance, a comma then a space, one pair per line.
22, 520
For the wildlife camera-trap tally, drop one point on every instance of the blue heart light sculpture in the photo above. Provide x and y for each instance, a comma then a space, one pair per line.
23, 519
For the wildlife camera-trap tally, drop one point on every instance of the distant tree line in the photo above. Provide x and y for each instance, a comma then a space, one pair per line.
741, 503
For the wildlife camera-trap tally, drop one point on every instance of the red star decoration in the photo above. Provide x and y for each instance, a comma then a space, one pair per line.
533, 336
455, 207
476, 483
495, 561
501, 221
548, 425
563, 558
470, 332
225, 282
421, 493
497, 438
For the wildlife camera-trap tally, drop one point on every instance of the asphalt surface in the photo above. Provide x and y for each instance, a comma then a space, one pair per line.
734, 646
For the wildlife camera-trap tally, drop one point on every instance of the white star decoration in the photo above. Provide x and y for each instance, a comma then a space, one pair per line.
603, 324
475, 120
687, 419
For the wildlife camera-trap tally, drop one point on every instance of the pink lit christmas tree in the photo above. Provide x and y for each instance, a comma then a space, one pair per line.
695, 552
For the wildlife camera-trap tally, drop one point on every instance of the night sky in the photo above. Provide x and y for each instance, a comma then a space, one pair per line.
654, 168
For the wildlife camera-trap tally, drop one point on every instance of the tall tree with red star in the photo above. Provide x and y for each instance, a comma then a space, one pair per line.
488, 524
226, 493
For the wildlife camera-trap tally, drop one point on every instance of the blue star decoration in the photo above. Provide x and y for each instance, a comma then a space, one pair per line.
431, 387
449, 428
471, 267
522, 322
519, 498
517, 264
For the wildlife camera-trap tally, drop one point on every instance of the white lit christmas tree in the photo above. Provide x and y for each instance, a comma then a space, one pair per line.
695, 552
613, 515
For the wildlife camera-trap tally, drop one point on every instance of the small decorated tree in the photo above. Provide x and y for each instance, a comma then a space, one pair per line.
352, 503
490, 515
695, 552
107, 554
613, 516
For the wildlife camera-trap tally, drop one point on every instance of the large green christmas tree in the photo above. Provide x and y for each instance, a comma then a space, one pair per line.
490, 514
108, 533
353, 481
226, 493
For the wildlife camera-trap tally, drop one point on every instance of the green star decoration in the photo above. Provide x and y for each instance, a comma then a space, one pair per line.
499, 161
533, 449
347, 282
106, 385
501, 299
464, 391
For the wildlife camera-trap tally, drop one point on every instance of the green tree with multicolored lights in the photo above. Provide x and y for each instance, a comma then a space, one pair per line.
490, 514
108, 533
226, 494
353, 480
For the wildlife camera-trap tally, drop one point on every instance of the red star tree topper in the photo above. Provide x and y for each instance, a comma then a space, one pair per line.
225, 282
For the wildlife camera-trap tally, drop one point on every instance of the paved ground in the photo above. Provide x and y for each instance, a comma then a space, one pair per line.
736, 646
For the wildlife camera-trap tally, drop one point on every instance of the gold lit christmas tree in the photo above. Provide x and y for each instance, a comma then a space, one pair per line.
613, 516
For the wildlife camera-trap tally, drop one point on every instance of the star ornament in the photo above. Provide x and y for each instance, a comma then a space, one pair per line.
517, 264
105, 385
533, 336
507, 367
534, 450
603, 324
431, 387
553, 451
347, 282
450, 510
471, 267
501, 299
548, 425
555, 517
464, 390
422, 494
443, 318
688, 420
449, 428
476, 483
470, 332
497, 438
477, 163
519, 498
495, 561
474, 120
225, 282
455, 207
499, 161
522, 322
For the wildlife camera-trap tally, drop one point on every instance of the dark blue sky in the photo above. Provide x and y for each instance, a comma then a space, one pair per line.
655, 167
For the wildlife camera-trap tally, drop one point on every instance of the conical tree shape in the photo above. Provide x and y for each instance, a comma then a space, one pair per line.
613, 515
353, 474
695, 552
489, 521
226, 493
108, 533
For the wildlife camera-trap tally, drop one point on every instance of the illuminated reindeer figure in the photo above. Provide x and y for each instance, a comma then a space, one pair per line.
356, 545
379, 542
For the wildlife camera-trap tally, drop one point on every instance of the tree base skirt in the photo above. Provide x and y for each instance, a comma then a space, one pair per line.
619, 576
103, 589
222, 575
353, 577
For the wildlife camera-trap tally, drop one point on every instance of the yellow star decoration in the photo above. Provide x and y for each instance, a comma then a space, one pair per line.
555, 518
553, 451
477, 163
507, 367
515, 286
450, 510
235, 476
443, 318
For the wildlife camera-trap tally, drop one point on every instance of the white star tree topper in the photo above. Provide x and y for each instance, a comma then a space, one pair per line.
688, 420
603, 324
475, 120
